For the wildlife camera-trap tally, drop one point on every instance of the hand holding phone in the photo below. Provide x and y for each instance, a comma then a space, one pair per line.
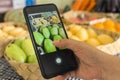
45, 26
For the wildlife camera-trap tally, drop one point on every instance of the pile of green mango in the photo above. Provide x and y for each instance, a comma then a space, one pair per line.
45, 36
21, 50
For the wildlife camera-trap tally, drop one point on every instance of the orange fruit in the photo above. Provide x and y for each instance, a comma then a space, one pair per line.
99, 25
118, 27
110, 25
111, 28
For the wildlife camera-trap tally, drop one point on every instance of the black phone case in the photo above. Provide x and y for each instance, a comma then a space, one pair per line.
55, 63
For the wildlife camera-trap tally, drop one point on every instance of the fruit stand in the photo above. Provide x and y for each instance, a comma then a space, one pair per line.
100, 30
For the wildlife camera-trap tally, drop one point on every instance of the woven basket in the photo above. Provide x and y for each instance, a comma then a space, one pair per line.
29, 71
26, 70
3, 43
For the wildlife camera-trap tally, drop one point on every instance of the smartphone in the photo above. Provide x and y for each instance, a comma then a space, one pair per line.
45, 26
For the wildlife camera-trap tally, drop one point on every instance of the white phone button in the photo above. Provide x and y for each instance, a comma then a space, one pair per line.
58, 60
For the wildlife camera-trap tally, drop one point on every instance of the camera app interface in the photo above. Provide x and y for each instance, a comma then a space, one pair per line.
46, 28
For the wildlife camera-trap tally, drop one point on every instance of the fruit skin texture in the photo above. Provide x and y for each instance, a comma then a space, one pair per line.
82, 34
118, 27
99, 25
41, 28
75, 28
16, 53
19, 41
38, 38
49, 27
91, 33
110, 25
93, 42
105, 39
55, 25
62, 33
28, 47
48, 46
54, 31
32, 59
46, 33
57, 37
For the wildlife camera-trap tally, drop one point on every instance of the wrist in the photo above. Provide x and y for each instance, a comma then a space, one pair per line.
110, 66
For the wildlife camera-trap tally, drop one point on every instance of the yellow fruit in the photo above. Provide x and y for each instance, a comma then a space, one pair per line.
8, 28
74, 37
93, 42
75, 28
69, 33
105, 39
91, 33
99, 25
17, 31
82, 34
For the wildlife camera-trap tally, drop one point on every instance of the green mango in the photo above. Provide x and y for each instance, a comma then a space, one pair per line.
27, 47
48, 46
32, 59
46, 33
57, 37
56, 25
49, 27
62, 33
41, 28
38, 38
16, 53
19, 41
54, 31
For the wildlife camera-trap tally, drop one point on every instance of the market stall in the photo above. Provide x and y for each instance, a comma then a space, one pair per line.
100, 30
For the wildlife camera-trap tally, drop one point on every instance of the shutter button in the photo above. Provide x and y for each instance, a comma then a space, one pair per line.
58, 60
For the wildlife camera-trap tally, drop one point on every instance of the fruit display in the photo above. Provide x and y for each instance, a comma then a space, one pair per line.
108, 24
45, 36
11, 30
21, 50
88, 35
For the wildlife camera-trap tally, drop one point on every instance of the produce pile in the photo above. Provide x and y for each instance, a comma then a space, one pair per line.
46, 34
21, 50
11, 30
88, 35
108, 24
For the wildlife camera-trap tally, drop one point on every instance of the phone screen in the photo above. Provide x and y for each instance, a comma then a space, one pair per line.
46, 27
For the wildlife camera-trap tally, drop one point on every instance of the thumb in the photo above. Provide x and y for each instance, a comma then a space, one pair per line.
65, 43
